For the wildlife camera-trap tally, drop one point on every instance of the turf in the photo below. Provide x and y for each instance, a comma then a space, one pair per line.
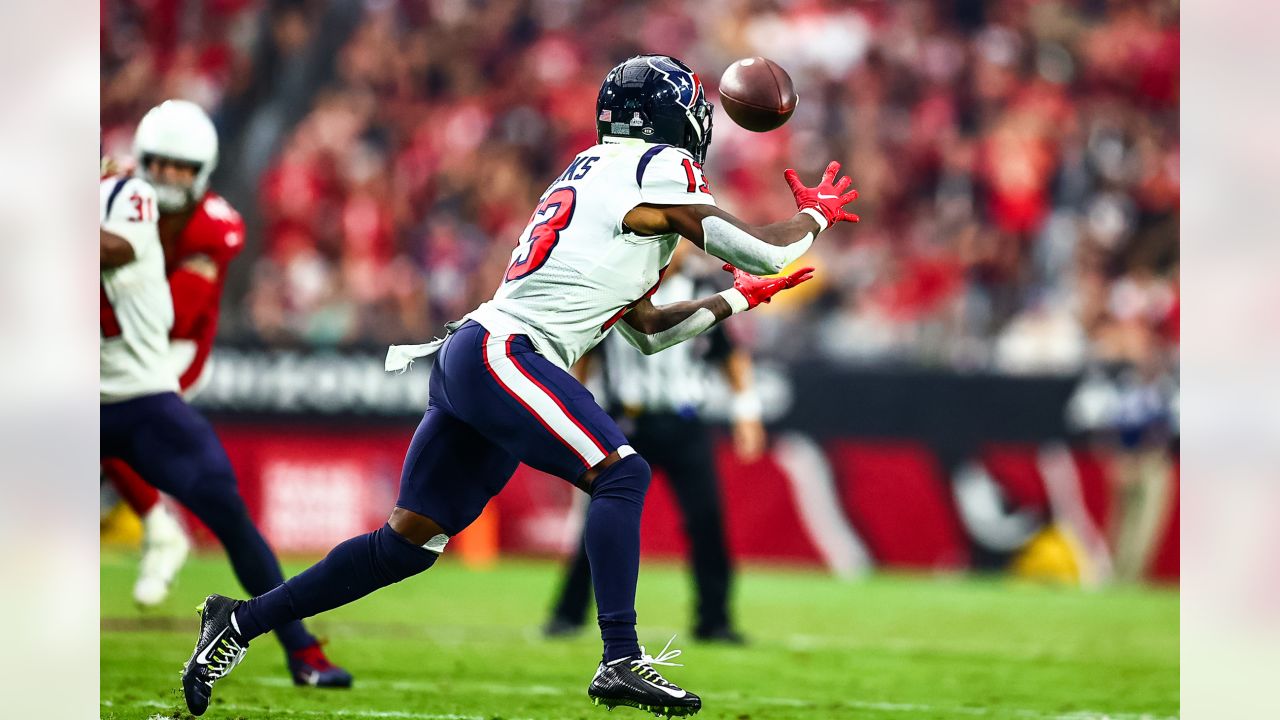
461, 644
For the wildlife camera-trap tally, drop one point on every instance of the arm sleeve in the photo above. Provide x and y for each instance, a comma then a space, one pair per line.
129, 210
670, 176
698, 322
746, 251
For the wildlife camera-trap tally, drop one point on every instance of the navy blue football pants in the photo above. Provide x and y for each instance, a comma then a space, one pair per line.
175, 449
495, 402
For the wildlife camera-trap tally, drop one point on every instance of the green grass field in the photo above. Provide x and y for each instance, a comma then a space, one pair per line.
457, 644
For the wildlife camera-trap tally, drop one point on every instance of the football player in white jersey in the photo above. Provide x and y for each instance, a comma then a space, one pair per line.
136, 311
593, 252
144, 422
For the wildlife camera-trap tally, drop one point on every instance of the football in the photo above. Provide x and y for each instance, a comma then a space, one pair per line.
758, 94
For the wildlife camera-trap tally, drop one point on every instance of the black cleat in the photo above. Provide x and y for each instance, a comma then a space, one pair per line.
720, 634
219, 648
634, 682
558, 627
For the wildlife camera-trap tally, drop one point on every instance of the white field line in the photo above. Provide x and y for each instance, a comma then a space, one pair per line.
428, 686
733, 698
397, 714
467, 635
459, 636
902, 645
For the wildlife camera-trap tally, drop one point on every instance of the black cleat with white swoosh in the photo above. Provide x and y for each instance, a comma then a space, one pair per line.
634, 682
219, 648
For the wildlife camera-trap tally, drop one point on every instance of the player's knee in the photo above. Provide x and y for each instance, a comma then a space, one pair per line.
220, 508
397, 557
418, 529
629, 476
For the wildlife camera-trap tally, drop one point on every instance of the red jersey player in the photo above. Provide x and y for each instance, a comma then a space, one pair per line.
199, 244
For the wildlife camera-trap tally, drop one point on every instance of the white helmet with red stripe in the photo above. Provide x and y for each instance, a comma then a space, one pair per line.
177, 130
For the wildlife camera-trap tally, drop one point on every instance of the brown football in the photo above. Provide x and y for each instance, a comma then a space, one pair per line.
758, 94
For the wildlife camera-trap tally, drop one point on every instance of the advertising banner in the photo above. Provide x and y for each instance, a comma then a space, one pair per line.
894, 469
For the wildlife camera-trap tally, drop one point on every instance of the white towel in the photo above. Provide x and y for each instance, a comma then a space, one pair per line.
401, 357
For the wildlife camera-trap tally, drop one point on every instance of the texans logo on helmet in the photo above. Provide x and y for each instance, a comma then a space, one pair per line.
688, 86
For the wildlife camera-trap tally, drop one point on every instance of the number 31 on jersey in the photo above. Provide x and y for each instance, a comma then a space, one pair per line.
550, 218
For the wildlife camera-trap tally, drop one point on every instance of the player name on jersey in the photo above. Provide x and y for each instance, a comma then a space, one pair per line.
576, 268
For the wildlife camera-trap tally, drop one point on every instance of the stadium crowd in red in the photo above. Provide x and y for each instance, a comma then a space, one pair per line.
1017, 161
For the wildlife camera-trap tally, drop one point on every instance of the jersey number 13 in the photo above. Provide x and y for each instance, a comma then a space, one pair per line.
550, 218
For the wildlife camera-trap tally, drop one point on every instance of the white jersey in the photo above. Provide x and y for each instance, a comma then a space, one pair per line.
137, 311
576, 269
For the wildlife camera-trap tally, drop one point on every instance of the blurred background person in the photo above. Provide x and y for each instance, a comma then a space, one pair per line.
1142, 474
657, 402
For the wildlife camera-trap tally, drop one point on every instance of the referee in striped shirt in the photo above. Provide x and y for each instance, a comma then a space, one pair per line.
656, 400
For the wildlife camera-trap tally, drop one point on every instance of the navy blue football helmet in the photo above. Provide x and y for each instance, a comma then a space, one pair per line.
657, 99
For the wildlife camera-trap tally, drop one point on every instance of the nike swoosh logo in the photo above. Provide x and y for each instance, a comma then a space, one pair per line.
203, 657
828, 197
669, 691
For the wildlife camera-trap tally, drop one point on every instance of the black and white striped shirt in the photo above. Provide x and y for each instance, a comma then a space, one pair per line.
674, 380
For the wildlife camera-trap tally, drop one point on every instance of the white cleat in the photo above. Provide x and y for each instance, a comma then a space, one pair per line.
164, 550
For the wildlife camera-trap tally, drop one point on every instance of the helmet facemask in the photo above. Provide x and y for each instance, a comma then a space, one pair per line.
171, 197
698, 133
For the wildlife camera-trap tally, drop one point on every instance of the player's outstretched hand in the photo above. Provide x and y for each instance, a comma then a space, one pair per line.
828, 198
762, 289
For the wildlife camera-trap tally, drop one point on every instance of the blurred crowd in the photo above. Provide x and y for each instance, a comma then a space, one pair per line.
1017, 161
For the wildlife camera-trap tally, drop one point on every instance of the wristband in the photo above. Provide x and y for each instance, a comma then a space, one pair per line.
737, 301
817, 215
746, 405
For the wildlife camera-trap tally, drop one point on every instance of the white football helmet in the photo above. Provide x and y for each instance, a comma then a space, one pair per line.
178, 130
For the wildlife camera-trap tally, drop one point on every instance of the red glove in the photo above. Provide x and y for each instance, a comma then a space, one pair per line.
828, 199
762, 289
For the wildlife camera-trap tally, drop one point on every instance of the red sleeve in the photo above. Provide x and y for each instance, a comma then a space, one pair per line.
217, 232
192, 294
231, 242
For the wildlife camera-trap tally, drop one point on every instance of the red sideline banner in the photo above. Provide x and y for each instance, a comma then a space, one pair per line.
844, 503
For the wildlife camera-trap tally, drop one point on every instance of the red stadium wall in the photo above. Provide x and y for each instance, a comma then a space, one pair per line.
896, 496
309, 488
